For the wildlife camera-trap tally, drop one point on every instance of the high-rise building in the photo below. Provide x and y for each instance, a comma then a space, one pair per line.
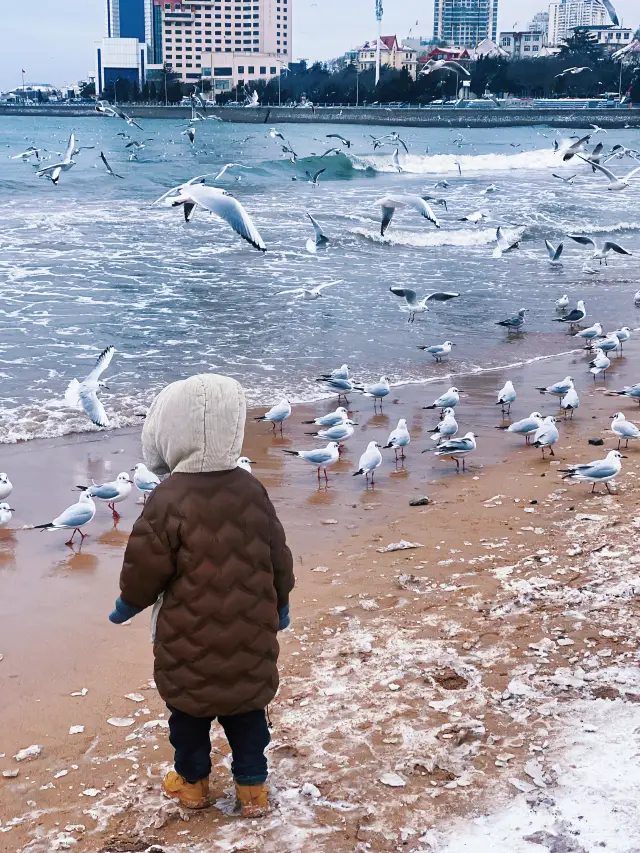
564, 15
465, 23
223, 42
129, 44
540, 23
126, 19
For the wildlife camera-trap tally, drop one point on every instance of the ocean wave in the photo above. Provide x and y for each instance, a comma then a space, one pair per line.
443, 164
418, 239
605, 229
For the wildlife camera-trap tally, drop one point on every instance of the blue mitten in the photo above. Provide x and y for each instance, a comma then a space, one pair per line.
284, 618
123, 612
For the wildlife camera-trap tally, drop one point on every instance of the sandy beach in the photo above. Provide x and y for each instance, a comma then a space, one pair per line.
471, 673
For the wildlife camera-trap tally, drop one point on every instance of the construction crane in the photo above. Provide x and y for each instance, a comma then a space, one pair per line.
379, 11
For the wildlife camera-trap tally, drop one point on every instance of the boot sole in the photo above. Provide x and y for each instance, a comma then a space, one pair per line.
198, 805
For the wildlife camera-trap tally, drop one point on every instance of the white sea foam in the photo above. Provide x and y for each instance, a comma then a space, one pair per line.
417, 239
442, 164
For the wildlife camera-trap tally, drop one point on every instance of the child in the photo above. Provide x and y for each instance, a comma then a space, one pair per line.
209, 542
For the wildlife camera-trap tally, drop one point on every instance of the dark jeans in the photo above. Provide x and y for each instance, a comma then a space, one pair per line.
248, 736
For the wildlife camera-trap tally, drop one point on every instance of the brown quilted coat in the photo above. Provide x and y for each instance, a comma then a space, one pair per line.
212, 544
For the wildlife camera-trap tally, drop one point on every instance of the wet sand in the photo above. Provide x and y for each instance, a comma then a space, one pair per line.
54, 601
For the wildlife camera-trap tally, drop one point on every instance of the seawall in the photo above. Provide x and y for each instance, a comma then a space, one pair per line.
411, 117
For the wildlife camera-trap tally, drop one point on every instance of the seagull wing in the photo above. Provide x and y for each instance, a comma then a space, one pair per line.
93, 408
404, 144
608, 5
584, 241
503, 244
455, 66
328, 284
405, 293
614, 247
317, 175
224, 205
71, 144
424, 209
74, 516
387, 216
102, 363
321, 239
105, 492
612, 178
292, 290
108, 167
441, 296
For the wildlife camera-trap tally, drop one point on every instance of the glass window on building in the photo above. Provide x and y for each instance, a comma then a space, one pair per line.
273, 70
263, 69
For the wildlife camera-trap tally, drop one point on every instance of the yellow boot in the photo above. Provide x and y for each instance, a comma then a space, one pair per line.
190, 795
253, 800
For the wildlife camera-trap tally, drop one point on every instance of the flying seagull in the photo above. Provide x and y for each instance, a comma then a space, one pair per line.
419, 306
554, 252
503, 244
616, 184
578, 69
569, 180
108, 167
344, 141
390, 203
313, 179
84, 394
191, 133
53, 172
319, 239
600, 253
576, 146
308, 293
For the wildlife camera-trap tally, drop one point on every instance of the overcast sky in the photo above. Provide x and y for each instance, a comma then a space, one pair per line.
53, 41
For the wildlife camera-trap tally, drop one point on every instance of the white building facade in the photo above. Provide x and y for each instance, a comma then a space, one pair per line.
522, 45
564, 16
120, 59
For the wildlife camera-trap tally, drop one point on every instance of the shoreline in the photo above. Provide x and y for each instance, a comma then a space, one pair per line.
610, 118
454, 587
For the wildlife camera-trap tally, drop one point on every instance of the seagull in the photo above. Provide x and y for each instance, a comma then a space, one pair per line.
570, 402
399, 438
600, 471
330, 151
447, 427
319, 239
444, 184
5, 514
573, 317
145, 480
6, 487
624, 429
313, 179
631, 391
392, 137
568, 180
108, 167
554, 253
596, 155
346, 142
558, 389
438, 351
599, 364
73, 518
339, 432
125, 117
448, 400
492, 188
30, 152
333, 419
616, 184
308, 293
111, 493
370, 461
222, 204
609, 343
613, 15
514, 323
53, 172
503, 245
138, 145
321, 458
245, 463
636, 298
575, 70
546, 435
395, 159
441, 201
570, 150
598, 129
277, 414
476, 217
506, 396
600, 253
342, 386
341, 372
190, 132
377, 390
525, 427
390, 203
275, 134
419, 306
84, 394
622, 335
433, 65
457, 448
589, 334
563, 303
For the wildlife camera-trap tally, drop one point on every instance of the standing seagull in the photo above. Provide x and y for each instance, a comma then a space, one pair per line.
600, 471
438, 351
448, 400
6, 487
340, 416
546, 435
419, 306
399, 438
321, 458
378, 390
506, 396
144, 479
526, 427
622, 335
5, 514
390, 203
562, 303
570, 402
277, 414
515, 323
589, 334
600, 253
457, 448
395, 159
108, 167
85, 394
111, 493
370, 461
245, 463
631, 391
600, 364
624, 429
73, 518
558, 389
573, 317
447, 428
342, 386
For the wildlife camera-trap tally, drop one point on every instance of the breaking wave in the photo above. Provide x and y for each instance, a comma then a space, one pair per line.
447, 164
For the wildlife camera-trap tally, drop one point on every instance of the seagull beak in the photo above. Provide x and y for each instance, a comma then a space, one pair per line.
624, 457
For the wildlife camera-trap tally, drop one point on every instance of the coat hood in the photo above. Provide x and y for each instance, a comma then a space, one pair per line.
195, 425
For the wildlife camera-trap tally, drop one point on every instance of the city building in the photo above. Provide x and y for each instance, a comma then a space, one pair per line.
223, 43
465, 23
539, 23
120, 59
487, 49
565, 15
607, 35
126, 19
522, 45
392, 54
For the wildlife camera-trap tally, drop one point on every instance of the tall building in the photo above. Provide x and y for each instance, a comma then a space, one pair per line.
540, 23
465, 23
564, 15
128, 46
223, 42
126, 19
